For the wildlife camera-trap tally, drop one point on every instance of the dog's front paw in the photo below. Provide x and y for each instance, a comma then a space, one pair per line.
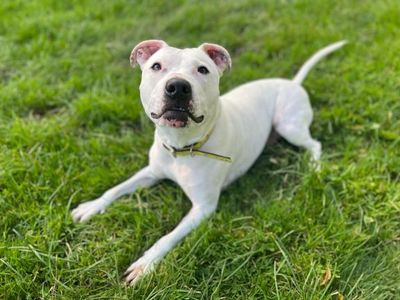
86, 210
137, 270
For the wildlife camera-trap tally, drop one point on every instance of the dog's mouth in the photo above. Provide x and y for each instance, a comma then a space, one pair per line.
176, 116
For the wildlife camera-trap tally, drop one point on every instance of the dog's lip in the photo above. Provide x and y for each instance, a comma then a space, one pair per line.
198, 119
180, 109
163, 112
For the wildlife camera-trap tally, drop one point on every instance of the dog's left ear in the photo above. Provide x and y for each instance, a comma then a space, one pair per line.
142, 51
219, 55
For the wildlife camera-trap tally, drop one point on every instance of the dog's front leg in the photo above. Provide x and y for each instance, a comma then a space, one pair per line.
143, 178
203, 206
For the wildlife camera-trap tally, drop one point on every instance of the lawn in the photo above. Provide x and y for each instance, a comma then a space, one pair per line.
71, 126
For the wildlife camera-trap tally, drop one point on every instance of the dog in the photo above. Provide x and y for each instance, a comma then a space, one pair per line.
204, 141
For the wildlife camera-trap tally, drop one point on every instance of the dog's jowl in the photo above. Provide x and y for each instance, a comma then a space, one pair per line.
202, 139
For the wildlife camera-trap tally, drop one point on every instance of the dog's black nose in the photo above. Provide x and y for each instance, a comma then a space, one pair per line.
178, 89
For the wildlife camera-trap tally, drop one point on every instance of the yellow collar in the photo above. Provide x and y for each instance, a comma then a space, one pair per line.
194, 149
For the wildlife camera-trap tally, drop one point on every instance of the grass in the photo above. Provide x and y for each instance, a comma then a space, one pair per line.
71, 125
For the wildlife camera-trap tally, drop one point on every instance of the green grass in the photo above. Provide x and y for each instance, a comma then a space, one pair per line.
71, 126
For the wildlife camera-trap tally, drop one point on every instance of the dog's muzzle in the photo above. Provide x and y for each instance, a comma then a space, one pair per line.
177, 108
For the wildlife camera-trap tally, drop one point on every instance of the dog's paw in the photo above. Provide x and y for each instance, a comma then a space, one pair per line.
137, 270
88, 209
315, 165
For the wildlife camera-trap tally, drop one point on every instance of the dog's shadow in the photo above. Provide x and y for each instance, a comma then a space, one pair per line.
274, 174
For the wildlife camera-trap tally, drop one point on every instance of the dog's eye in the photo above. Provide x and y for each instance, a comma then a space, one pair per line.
156, 67
203, 70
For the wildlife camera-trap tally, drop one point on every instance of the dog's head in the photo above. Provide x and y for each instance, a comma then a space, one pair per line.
179, 87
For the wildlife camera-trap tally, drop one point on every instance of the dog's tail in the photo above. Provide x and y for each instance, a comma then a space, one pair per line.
314, 59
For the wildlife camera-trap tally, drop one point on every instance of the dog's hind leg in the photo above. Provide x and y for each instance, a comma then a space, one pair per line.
293, 117
143, 178
299, 135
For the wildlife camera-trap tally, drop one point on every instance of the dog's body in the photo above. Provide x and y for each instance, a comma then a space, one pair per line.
179, 91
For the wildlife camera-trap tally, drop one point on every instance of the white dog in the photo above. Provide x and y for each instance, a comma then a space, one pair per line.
203, 141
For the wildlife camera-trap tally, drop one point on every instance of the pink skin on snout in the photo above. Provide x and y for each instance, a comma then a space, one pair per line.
172, 123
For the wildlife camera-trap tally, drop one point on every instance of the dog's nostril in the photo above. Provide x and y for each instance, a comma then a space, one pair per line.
171, 89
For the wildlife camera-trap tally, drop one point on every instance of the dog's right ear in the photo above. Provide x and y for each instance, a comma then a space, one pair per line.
142, 51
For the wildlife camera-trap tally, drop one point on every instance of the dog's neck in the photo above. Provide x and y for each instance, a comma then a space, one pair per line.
181, 137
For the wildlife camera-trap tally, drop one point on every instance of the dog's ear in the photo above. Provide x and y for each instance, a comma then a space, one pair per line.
219, 55
142, 51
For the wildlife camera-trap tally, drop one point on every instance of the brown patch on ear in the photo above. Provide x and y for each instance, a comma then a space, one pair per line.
144, 50
219, 55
